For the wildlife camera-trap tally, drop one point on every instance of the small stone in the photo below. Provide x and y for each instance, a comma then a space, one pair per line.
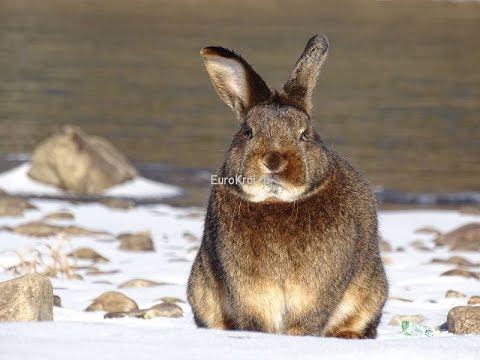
60, 215
470, 210
461, 272
122, 314
454, 294
138, 283
474, 300
401, 299
427, 230
57, 301
397, 319
75, 277
122, 204
172, 300
164, 310
42, 229
419, 245
189, 236
400, 249
464, 320
140, 241
13, 205
465, 238
101, 272
112, 301
385, 246
27, 298
87, 254
455, 260
103, 282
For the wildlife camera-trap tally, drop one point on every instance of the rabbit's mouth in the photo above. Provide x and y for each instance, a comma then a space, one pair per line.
270, 187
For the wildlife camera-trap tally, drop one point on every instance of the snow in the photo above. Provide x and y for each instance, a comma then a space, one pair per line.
78, 334
17, 181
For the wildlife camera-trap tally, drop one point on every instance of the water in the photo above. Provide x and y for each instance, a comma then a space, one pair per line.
399, 96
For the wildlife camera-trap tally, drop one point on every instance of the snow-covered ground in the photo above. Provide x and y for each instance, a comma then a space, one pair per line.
76, 334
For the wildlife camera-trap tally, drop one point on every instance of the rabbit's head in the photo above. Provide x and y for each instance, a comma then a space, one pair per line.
276, 156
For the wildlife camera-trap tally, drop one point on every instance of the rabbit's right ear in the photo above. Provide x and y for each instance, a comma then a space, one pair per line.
239, 86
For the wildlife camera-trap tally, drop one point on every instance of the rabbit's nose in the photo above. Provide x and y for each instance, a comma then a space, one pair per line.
274, 162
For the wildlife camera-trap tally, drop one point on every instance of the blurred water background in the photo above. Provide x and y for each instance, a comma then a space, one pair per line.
399, 96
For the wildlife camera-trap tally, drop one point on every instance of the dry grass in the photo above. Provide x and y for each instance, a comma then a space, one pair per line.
47, 259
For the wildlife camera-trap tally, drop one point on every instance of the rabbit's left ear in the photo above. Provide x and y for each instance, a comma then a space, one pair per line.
300, 85
238, 85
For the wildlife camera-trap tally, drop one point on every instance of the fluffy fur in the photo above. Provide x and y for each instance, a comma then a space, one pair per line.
295, 249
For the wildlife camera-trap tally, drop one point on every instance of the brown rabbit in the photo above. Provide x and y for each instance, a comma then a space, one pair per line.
290, 243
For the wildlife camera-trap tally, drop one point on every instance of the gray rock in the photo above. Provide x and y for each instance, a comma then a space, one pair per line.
465, 238
87, 254
57, 301
122, 204
73, 161
454, 294
140, 241
27, 298
112, 301
464, 320
160, 310
13, 205
455, 260
462, 273
166, 309
59, 215
474, 300
43, 229
138, 283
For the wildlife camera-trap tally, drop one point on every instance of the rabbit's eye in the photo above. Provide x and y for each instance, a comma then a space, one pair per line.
303, 137
248, 132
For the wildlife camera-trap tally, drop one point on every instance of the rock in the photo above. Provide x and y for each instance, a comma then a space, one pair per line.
27, 298
160, 310
13, 205
104, 282
464, 320
454, 294
401, 299
73, 161
140, 241
172, 300
42, 229
165, 309
122, 314
60, 215
192, 215
461, 272
455, 260
112, 301
397, 319
88, 254
465, 238
470, 210
427, 230
57, 301
385, 246
95, 272
474, 300
419, 245
122, 204
189, 236
137, 283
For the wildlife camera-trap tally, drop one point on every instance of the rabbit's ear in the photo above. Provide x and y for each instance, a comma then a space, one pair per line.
239, 86
299, 87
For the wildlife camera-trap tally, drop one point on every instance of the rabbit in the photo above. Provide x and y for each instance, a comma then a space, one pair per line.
291, 246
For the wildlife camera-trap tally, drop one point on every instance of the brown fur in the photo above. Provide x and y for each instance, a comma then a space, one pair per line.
305, 265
